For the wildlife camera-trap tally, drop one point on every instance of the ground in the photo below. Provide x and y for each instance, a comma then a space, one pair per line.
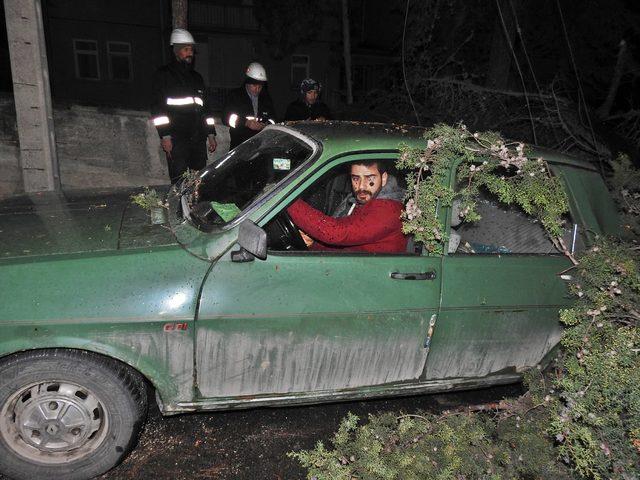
252, 444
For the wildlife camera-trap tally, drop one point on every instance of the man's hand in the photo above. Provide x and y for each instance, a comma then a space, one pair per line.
308, 241
167, 144
254, 125
211, 143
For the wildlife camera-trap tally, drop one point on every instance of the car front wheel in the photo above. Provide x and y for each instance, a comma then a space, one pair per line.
67, 414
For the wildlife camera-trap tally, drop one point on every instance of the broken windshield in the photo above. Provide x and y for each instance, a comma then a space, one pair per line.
236, 181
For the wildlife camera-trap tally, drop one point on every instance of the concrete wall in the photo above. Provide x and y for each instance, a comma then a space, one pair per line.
96, 148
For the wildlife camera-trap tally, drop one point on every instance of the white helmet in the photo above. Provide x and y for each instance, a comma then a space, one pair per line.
256, 72
181, 37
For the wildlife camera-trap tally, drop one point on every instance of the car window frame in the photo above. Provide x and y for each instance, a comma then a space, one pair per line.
574, 213
331, 163
316, 152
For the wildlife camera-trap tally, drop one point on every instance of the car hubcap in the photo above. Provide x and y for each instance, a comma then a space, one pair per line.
53, 422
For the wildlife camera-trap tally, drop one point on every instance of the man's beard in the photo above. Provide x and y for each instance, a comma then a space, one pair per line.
187, 62
368, 196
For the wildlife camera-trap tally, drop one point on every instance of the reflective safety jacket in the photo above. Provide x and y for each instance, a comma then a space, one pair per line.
238, 108
180, 107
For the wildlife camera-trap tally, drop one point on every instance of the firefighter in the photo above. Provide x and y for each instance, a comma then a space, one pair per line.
180, 110
249, 109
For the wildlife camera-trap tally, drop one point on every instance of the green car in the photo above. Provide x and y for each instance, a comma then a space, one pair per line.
224, 306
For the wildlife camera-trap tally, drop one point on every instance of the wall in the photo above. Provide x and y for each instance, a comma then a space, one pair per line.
96, 148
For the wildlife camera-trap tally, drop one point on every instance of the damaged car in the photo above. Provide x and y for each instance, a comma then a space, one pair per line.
224, 306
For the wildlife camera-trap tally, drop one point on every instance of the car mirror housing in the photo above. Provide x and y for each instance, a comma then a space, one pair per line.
252, 240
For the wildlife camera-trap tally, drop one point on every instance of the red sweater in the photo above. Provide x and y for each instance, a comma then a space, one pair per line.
372, 227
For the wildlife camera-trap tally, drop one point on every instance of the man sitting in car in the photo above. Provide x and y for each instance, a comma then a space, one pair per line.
367, 221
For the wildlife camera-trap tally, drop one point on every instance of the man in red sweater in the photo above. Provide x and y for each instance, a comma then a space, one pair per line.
368, 220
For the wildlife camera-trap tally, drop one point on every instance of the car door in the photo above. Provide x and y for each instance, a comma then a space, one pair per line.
502, 290
315, 322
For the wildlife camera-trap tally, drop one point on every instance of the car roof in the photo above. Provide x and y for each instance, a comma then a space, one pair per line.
340, 136
351, 135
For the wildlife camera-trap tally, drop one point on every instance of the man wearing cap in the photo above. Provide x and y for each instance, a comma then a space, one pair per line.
308, 106
249, 109
180, 111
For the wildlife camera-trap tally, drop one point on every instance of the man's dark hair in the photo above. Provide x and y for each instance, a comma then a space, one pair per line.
380, 164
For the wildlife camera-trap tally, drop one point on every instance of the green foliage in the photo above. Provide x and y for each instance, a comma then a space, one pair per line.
598, 423
148, 199
455, 445
483, 160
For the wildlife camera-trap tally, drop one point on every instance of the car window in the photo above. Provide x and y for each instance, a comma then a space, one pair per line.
332, 195
253, 169
505, 229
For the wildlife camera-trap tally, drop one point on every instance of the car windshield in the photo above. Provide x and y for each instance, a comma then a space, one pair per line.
233, 183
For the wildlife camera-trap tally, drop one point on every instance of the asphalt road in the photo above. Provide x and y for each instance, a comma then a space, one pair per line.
252, 444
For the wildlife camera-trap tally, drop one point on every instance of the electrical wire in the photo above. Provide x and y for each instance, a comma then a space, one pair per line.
515, 59
533, 73
580, 91
404, 72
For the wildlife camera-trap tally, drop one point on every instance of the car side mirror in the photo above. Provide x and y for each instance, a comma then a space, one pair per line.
253, 243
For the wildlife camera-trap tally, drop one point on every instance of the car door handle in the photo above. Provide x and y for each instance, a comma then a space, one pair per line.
414, 276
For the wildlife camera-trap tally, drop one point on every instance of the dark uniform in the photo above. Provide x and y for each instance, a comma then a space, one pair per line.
180, 111
301, 110
238, 108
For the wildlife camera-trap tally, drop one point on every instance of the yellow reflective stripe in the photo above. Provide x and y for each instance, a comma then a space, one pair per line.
233, 120
210, 121
161, 120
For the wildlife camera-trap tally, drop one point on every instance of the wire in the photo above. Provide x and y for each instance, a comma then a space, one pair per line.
404, 72
533, 73
580, 91
515, 59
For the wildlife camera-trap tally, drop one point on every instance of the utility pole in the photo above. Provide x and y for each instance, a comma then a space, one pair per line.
32, 95
179, 11
346, 45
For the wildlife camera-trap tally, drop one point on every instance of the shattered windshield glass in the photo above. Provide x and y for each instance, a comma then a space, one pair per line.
230, 185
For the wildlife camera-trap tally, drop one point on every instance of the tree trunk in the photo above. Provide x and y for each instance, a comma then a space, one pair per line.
605, 109
346, 43
504, 35
180, 9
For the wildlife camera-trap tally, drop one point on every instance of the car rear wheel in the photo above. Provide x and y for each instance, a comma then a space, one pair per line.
67, 414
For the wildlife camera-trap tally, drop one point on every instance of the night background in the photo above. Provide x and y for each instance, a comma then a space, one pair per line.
557, 73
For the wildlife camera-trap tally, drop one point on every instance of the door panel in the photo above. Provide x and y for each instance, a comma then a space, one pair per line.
498, 312
313, 322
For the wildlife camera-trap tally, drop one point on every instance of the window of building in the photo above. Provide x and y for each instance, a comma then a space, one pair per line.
119, 55
299, 70
85, 53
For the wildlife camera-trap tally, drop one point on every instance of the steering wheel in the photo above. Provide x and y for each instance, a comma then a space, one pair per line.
282, 234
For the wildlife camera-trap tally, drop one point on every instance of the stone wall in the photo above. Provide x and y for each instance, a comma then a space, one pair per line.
96, 147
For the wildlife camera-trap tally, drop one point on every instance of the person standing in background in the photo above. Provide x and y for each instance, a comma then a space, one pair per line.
249, 109
180, 111
308, 106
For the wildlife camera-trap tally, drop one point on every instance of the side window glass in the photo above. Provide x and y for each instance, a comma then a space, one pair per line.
505, 229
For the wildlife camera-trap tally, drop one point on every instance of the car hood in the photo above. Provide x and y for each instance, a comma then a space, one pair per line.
53, 223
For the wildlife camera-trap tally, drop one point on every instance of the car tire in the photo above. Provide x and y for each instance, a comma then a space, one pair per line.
67, 414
